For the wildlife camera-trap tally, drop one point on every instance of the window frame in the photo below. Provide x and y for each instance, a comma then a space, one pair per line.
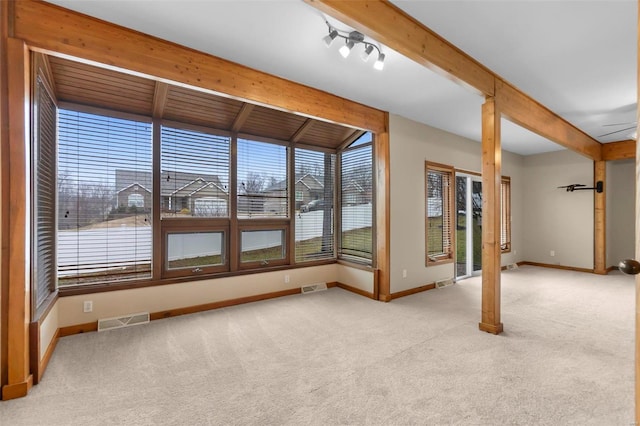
249, 225
355, 144
448, 254
505, 214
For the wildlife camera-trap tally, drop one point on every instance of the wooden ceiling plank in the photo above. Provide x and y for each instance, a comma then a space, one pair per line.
302, 130
351, 139
60, 31
242, 117
160, 99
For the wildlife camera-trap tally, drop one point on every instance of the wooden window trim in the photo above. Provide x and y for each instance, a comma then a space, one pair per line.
445, 257
505, 213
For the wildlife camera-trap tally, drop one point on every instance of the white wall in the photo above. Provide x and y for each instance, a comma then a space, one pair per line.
172, 296
557, 220
620, 191
411, 144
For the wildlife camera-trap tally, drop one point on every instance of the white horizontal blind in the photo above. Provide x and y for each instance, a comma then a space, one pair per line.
357, 201
194, 180
44, 194
439, 241
505, 214
314, 204
262, 180
104, 198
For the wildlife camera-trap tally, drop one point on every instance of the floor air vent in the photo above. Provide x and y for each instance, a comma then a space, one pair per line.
444, 283
123, 321
311, 288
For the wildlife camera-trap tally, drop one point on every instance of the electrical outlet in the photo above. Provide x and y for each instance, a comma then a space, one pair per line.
404, 273
552, 253
286, 279
87, 306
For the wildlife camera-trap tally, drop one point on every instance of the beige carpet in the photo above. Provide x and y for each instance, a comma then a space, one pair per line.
334, 357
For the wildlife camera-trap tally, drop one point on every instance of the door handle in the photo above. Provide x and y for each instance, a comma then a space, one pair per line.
629, 266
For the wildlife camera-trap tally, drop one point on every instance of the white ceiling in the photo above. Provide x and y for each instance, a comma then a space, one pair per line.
577, 57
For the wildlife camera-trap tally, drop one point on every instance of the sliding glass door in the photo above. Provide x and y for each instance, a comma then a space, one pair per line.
468, 225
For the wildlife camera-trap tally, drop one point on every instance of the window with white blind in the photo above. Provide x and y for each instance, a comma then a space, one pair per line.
314, 182
263, 188
356, 189
505, 214
44, 194
194, 179
104, 198
439, 213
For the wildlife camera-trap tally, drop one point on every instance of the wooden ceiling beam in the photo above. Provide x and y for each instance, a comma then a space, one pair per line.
389, 25
392, 27
58, 31
242, 117
160, 95
302, 130
621, 150
350, 139
526, 112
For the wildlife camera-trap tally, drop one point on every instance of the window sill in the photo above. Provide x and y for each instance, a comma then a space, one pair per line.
128, 285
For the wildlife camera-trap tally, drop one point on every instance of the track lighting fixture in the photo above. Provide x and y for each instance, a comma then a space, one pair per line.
350, 40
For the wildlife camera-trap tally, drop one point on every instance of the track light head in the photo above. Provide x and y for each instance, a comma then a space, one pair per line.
379, 64
350, 40
346, 49
367, 52
328, 39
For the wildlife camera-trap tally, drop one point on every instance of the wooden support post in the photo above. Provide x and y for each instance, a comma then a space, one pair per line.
19, 379
382, 214
600, 216
491, 178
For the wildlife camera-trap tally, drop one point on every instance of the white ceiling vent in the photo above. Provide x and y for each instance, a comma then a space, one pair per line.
123, 321
311, 288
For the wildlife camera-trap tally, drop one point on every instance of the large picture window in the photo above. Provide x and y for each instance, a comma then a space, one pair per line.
439, 213
314, 204
104, 220
356, 188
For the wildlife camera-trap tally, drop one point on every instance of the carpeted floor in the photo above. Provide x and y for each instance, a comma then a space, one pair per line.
333, 357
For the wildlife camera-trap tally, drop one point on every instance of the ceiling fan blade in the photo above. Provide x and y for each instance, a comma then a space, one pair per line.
617, 131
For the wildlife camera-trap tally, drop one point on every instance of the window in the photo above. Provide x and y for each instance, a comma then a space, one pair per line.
102, 162
439, 213
194, 180
262, 180
505, 214
44, 179
314, 204
356, 187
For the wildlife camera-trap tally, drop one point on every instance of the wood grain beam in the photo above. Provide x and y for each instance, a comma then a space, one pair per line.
160, 94
302, 130
383, 212
16, 201
242, 117
4, 185
58, 31
621, 150
600, 219
637, 232
491, 252
392, 27
526, 112
350, 139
